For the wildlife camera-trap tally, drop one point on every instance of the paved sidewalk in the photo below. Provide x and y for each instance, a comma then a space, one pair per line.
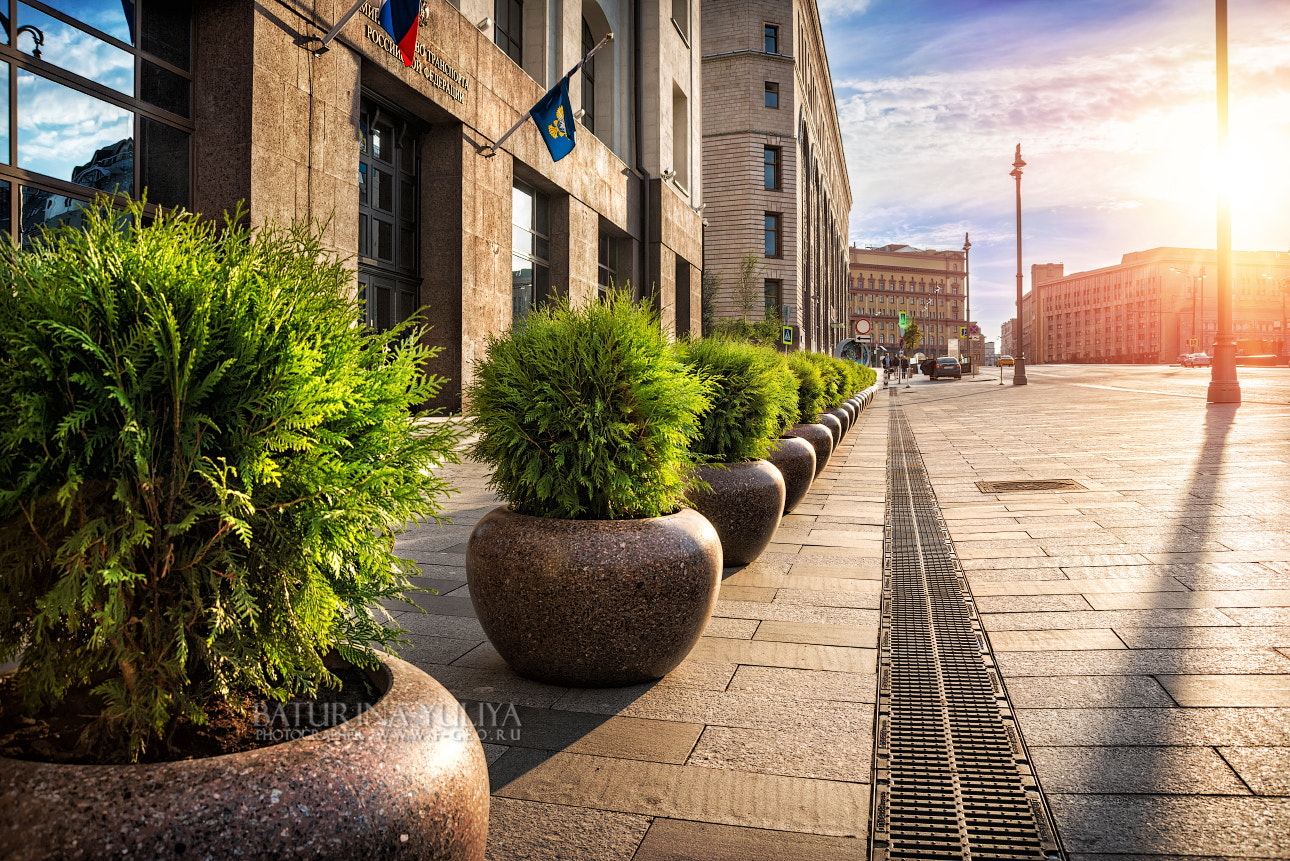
758, 746
1142, 625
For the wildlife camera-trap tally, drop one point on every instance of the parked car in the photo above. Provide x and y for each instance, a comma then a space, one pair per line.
1005, 361
947, 366
1197, 360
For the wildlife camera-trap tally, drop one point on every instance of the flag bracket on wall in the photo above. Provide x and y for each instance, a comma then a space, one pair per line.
399, 18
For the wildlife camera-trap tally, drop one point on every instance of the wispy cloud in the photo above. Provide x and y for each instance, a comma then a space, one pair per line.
1116, 119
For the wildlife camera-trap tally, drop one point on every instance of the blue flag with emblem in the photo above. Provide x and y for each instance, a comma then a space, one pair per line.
554, 117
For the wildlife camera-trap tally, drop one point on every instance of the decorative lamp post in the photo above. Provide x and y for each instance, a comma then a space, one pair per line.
1223, 385
1019, 362
967, 300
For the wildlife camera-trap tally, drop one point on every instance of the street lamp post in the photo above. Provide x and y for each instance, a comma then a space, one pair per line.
1019, 363
967, 300
1223, 385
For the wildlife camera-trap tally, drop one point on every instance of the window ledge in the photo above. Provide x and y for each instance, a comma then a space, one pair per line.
680, 32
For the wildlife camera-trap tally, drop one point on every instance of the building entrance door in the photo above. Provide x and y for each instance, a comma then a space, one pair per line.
389, 271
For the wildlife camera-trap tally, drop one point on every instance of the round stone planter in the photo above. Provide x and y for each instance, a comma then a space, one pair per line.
593, 603
820, 438
795, 459
834, 424
744, 506
406, 779
844, 417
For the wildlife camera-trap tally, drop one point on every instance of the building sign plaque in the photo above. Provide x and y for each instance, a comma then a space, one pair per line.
426, 63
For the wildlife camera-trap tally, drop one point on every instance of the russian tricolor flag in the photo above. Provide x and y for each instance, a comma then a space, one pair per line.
399, 18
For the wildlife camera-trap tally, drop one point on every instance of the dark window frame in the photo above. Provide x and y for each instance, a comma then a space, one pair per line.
508, 28
773, 296
145, 116
541, 266
588, 80
770, 38
773, 168
773, 232
390, 286
772, 95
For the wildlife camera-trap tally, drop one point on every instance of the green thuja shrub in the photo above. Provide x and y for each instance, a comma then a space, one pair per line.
754, 398
810, 387
866, 377
587, 413
204, 457
831, 378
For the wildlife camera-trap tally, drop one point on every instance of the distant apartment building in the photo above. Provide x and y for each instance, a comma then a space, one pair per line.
1154, 306
774, 178
1008, 338
927, 285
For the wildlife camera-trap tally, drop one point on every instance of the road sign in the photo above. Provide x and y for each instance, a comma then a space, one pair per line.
788, 335
974, 330
865, 339
904, 321
863, 326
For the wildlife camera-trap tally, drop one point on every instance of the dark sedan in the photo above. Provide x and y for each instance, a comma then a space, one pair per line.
947, 366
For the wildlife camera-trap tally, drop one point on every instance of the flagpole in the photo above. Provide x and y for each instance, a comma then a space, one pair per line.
491, 149
331, 34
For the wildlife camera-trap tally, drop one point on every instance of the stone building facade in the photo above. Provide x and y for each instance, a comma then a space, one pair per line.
929, 286
774, 176
1150, 307
234, 103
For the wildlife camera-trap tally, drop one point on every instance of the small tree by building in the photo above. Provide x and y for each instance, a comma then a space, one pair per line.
913, 336
746, 292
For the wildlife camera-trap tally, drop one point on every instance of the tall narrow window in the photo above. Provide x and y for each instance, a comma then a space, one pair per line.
772, 39
772, 158
680, 137
388, 209
681, 17
607, 265
773, 297
508, 27
774, 244
530, 249
772, 94
588, 80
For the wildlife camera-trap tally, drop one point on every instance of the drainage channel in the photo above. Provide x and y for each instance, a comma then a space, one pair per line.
951, 775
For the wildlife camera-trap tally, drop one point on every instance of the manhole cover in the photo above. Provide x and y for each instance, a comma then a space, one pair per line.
1036, 484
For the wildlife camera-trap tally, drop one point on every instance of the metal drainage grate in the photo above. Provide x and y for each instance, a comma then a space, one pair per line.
951, 774
1036, 484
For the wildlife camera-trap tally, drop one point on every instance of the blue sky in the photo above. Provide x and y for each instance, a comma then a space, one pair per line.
1112, 101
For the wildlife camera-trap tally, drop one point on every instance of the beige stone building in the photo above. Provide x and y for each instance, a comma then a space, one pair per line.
208, 103
1150, 307
929, 286
774, 177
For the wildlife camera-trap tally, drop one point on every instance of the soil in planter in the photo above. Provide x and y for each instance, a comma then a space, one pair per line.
67, 733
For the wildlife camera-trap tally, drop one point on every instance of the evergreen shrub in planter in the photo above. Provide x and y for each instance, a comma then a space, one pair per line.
811, 393
204, 457
754, 399
594, 574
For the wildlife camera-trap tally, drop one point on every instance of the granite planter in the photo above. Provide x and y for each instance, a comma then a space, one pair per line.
593, 603
744, 506
795, 459
844, 416
834, 424
820, 438
406, 779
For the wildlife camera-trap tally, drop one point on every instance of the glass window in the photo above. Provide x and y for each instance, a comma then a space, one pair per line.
772, 168
771, 39
508, 28
773, 229
588, 80
114, 19
772, 292
166, 30
164, 163
6, 191
772, 94
73, 136
165, 89
388, 216
607, 265
530, 266
77, 51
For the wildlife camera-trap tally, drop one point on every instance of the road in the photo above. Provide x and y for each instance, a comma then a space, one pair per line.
1258, 385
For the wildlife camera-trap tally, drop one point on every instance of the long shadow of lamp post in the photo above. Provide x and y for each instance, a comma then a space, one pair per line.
1019, 363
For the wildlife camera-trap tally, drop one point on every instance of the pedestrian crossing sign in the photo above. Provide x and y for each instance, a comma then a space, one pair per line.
788, 335
904, 322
